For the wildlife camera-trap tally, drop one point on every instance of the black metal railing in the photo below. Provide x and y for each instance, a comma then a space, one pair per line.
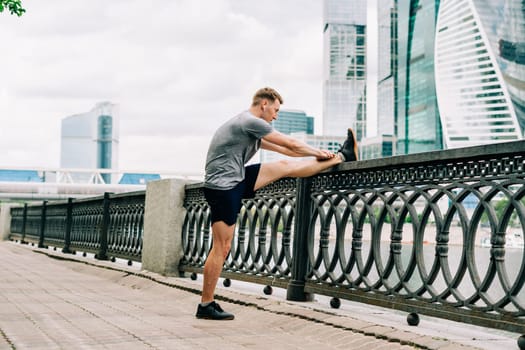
109, 226
261, 250
437, 233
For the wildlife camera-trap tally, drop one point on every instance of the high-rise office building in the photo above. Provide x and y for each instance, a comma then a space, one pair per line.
90, 140
329, 143
418, 126
292, 121
344, 72
506, 33
380, 142
459, 73
386, 66
376, 147
474, 78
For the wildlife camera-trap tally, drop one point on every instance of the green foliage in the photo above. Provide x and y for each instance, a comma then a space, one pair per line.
408, 218
377, 211
499, 208
14, 6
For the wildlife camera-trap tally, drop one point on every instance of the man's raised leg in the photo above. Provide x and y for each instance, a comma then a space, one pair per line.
270, 172
274, 171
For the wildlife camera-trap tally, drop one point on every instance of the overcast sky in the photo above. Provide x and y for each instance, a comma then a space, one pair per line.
177, 69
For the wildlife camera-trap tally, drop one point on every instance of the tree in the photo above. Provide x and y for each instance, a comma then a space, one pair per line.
14, 6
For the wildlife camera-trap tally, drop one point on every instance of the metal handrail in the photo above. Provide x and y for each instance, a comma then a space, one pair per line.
408, 232
110, 226
438, 233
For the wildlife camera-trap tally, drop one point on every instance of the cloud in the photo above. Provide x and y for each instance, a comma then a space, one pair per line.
163, 154
176, 68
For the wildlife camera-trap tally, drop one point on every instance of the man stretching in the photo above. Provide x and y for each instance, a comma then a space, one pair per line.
227, 179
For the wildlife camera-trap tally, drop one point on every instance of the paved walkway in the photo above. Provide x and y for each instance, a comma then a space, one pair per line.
81, 303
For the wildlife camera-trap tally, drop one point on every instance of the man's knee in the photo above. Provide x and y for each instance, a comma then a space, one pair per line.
226, 251
221, 248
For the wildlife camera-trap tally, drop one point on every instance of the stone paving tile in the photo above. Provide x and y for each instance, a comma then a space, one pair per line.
48, 303
377, 330
402, 336
4, 344
433, 343
350, 323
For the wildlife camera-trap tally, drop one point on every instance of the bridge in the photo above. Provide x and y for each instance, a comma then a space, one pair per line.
46, 183
406, 234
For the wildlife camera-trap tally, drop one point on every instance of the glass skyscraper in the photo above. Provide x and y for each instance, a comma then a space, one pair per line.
292, 121
417, 121
478, 70
506, 33
90, 140
459, 72
344, 100
386, 66
289, 122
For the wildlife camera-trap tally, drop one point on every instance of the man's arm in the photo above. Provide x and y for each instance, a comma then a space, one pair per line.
287, 145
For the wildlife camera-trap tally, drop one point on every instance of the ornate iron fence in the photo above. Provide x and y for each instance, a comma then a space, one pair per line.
108, 226
126, 226
261, 250
438, 233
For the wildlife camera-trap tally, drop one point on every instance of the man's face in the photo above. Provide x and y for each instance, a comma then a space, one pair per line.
270, 110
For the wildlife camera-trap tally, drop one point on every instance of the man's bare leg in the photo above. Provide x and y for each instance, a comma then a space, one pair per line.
223, 233
270, 172
222, 237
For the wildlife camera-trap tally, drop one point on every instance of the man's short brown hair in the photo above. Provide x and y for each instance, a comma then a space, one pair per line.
266, 93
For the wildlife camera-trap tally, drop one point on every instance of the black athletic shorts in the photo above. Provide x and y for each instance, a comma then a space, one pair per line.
226, 204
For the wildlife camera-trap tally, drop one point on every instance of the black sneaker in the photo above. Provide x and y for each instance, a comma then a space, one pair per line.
349, 147
213, 312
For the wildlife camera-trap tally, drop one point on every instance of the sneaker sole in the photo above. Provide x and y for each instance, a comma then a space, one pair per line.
355, 144
215, 319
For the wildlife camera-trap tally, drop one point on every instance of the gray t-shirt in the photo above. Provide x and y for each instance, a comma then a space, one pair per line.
232, 146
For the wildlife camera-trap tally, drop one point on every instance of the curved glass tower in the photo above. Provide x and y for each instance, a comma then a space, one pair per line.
473, 95
460, 75
418, 126
506, 32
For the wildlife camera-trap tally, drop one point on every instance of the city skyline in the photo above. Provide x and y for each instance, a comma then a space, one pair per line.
177, 80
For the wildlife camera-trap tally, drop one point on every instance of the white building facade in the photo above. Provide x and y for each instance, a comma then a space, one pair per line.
472, 72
